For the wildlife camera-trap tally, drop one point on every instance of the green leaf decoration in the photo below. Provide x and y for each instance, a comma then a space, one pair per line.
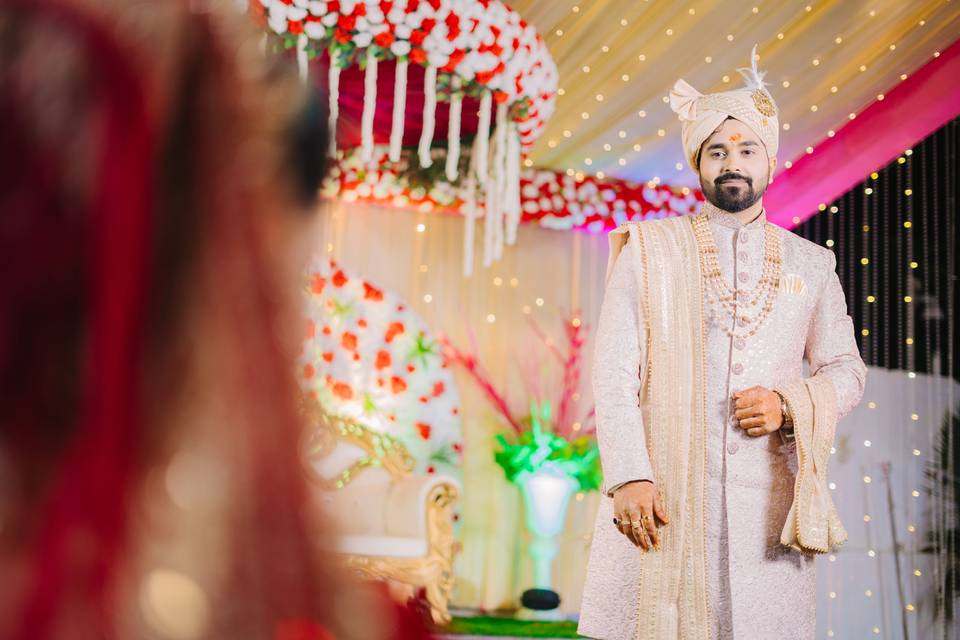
578, 458
422, 350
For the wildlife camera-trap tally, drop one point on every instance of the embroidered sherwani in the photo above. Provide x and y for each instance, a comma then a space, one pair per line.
756, 587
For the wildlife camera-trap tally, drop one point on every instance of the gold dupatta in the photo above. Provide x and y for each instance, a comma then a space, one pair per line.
673, 586
812, 525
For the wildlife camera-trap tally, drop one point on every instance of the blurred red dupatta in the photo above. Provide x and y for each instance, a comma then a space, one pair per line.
80, 277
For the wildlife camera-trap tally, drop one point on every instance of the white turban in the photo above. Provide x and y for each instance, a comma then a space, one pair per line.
702, 114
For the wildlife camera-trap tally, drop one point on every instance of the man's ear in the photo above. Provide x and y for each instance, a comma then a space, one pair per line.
773, 167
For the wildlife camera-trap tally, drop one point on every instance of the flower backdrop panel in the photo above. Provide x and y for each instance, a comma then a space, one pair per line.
368, 357
417, 257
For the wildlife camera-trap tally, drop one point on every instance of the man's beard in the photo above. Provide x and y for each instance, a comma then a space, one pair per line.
731, 198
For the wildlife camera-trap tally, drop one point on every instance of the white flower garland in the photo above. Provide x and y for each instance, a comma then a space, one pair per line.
399, 108
429, 115
334, 102
302, 60
369, 108
470, 212
500, 179
453, 130
483, 136
512, 205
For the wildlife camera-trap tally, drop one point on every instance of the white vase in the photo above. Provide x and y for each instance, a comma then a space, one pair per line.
546, 495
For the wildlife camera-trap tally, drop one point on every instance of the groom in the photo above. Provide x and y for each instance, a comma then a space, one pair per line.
708, 524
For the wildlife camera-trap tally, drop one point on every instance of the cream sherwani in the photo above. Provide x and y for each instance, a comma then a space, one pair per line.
756, 587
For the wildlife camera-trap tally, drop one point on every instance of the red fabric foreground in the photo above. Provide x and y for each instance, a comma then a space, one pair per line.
77, 277
89, 493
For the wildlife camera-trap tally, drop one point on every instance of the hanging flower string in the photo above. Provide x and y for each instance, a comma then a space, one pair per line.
453, 130
334, 101
399, 109
369, 108
429, 116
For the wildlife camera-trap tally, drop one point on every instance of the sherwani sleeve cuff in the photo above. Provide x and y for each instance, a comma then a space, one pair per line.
613, 489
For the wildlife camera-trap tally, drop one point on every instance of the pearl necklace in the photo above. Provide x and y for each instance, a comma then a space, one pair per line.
728, 304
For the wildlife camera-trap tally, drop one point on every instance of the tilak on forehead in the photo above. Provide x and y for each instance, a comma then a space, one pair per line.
701, 114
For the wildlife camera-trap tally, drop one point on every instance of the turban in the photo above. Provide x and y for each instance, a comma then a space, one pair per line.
701, 114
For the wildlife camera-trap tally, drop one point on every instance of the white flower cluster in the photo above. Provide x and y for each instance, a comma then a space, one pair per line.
488, 45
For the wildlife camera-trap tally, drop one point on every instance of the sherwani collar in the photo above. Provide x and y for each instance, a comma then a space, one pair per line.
727, 219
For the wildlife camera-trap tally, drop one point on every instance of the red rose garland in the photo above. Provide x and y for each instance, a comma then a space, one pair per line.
549, 199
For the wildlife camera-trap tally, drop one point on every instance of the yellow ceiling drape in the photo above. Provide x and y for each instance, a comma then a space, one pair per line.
618, 59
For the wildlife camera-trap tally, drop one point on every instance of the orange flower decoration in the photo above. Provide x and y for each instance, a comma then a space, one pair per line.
349, 341
424, 430
343, 391
395, 329
372, 293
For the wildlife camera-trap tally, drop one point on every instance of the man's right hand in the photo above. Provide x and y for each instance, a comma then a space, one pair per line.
631, 502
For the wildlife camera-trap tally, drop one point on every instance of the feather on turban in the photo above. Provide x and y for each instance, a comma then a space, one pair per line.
701, 114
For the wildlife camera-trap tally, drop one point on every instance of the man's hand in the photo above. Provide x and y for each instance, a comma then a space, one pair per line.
758, 411
631, 503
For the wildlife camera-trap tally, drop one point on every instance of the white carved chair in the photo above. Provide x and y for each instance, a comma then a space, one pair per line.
392, 525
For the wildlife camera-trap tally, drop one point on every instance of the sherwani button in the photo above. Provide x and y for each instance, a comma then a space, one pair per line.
732, 448
742, 257
742, 321
738, 368
739, 343
742, 276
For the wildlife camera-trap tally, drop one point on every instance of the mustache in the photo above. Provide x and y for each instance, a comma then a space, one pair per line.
726, 177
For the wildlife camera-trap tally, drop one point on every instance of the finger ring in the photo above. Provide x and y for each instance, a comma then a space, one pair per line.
636, 525
645, 517
616, 521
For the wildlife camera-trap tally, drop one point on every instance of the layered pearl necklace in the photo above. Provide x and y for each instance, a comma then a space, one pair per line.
728, 306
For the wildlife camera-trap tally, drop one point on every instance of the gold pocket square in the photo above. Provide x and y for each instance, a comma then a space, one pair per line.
793, 284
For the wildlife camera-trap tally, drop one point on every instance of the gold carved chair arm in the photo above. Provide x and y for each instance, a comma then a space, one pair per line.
325, 430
